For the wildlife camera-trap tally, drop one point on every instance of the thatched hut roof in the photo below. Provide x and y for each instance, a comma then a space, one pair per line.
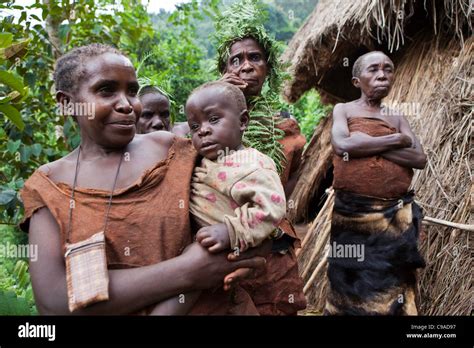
433, 51
338, 31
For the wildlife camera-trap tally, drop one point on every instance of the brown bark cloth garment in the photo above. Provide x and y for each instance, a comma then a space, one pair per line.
371, 176
279, 291
376, 215
148, 221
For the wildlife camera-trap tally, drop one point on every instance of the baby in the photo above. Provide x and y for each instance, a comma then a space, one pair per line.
234, 185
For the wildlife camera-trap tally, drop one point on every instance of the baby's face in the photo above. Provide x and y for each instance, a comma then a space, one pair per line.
216, 123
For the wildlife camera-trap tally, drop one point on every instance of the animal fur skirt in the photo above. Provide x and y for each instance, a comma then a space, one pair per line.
373, 255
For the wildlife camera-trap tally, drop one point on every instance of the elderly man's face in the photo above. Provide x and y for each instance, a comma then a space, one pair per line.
248, 61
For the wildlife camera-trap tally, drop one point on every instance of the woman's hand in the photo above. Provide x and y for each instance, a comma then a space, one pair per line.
234, 277
208, 270
405, 140
234, 79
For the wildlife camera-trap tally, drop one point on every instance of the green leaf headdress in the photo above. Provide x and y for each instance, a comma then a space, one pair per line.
245, 19
242, 20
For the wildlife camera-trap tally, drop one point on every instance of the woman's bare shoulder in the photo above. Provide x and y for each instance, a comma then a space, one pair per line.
58, 170
162, 138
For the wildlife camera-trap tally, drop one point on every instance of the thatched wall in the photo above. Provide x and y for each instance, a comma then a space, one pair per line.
338, 31
438, 76
316, 161
434, 76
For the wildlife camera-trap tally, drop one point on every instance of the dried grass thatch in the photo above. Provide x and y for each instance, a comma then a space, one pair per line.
439, 76
338, 31
434, 71
316, 160
312, 256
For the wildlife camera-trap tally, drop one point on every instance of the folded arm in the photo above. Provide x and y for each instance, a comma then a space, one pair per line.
358, 144
412, 157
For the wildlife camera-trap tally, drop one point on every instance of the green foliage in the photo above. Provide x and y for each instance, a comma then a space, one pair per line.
286, 17
178, 63
16, 294
262, 133
10, 304
28, 139
309, 111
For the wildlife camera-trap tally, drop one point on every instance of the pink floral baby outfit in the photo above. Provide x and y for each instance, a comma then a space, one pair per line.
242, 190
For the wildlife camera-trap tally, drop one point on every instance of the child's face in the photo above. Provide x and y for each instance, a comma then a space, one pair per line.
376, 76
155, 115
110, 86
216, 123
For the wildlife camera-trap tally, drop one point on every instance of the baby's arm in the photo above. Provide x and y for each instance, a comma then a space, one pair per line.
215, 238
261, 205
178, 305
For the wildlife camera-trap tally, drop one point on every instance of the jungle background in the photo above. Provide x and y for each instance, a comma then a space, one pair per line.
171, 49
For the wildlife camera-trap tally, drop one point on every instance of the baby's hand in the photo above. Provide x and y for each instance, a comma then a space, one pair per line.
215, 238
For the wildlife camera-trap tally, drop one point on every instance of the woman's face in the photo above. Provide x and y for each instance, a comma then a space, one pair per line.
247, 60
376, 76
109, 88
155, 114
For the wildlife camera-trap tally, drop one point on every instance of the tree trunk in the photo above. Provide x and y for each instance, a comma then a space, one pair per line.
52, 28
